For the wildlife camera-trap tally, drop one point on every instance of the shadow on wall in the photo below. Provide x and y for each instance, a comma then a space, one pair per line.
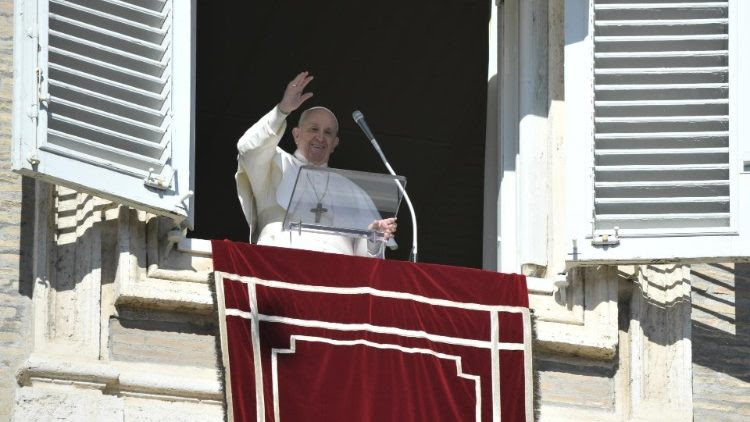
26, 262
81, 239
721, 318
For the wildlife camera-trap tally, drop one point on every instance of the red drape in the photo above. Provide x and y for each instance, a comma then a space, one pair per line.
323, 337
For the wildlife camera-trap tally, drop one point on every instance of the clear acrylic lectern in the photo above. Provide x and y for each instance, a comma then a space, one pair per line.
342, 202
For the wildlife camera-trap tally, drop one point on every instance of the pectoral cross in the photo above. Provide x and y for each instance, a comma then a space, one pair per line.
318, 211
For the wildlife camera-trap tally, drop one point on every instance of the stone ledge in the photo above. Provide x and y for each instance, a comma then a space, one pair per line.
169, 295
583, 346
176, 383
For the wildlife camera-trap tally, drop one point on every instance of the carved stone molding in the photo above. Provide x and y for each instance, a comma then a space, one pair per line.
160, 275
123, 378
580, 319
93, 258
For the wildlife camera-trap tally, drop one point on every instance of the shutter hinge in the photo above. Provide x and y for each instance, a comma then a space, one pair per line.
158, 181
33, 111
606, 237
40, 97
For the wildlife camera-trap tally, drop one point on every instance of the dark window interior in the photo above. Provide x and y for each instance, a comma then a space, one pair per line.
418, 71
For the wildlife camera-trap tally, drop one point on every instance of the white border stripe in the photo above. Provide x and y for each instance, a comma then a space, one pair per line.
384, 346
260, 406
373, 292
225, 348
275, 381
495, 365
528, 363
378, 329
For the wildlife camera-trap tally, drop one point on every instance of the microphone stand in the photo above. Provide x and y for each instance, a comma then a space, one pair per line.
413, 254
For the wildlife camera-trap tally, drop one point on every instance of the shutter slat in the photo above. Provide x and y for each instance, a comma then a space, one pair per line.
660, 22
637, 124
114, 39
112, 88
661, 172
111, 137
664, 135
660, 102
94, 159
660, 221
663, 167
661, 70
125, 59
663, 217
144, 130
659, 5
662, 119
664, 205
660, 27
670, 183
134, 161
126, 109
145, 15
657, 220
663, 59
602, 87
652, 91
686, 200
662, 107
150, 4
662, 189
102, 69
657, 151
118, 23
659, 38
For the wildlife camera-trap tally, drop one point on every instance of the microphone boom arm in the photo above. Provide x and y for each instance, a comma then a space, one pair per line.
359, 119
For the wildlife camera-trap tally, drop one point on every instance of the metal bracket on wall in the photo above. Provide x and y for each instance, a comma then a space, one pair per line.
606, 237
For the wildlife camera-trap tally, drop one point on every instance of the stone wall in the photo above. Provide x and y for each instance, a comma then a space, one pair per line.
124, 323
721, 342
15, 218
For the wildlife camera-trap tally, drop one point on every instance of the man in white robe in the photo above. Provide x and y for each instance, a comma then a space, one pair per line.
266, 175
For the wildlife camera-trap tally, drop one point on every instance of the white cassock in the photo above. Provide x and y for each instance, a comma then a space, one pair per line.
265, 180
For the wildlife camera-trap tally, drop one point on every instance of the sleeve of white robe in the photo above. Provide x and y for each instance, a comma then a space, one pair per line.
256, 149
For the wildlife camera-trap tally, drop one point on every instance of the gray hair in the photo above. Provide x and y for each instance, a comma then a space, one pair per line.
304, 114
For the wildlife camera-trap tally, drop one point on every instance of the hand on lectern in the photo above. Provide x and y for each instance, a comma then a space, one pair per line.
293, 95
386, 226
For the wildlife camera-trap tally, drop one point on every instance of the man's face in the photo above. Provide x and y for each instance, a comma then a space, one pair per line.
316, 137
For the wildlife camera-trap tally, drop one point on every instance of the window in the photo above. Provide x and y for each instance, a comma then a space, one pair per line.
110, 111
654, 140
106, 104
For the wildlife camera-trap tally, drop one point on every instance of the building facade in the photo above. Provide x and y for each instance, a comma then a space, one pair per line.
107, 310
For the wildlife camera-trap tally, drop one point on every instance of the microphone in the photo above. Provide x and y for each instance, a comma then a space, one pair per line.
359, 118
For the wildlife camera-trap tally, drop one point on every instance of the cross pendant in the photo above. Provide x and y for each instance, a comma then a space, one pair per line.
318, 211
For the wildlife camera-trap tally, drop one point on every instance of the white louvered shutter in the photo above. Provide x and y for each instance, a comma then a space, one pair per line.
104, 98
666, 178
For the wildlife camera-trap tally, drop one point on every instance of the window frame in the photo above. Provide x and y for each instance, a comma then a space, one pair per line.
29, 133
648, 245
